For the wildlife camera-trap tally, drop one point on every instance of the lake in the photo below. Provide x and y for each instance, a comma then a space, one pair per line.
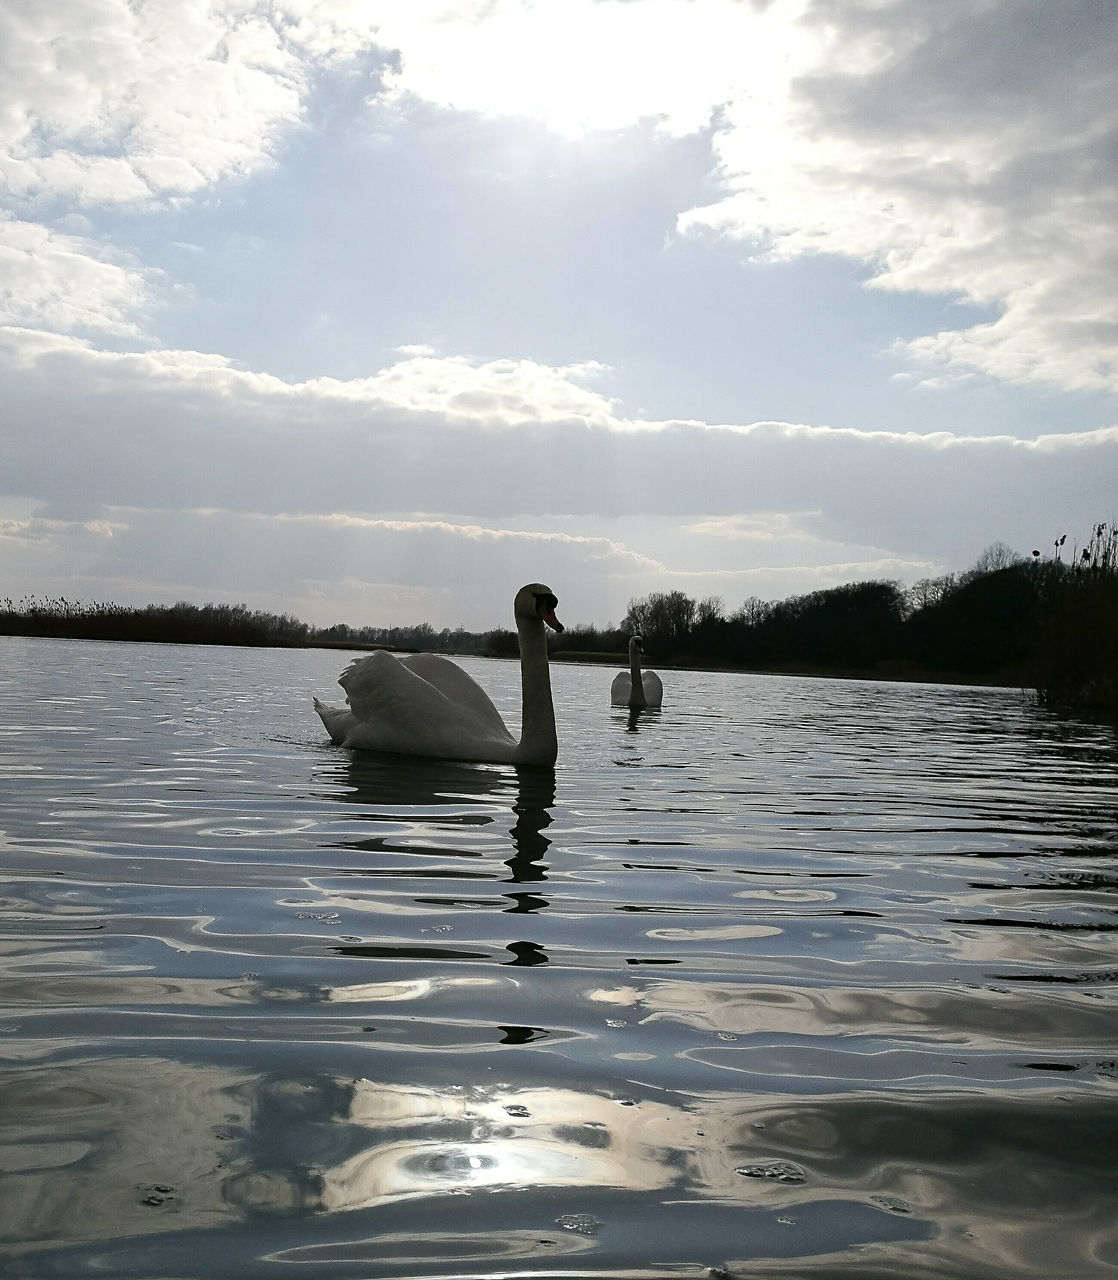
793, 978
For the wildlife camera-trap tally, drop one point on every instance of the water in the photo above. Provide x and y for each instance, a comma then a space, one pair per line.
793, 978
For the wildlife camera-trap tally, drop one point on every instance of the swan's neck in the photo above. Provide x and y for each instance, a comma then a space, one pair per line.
636, 680
538, 741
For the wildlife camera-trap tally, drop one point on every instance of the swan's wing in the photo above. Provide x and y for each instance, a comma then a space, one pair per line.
397, 708
619, 690
460, 687
653, 688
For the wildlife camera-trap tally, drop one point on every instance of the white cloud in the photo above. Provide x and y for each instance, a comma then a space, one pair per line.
495, 393
64, 282
583, 65
956, 148
959, 148
762, 526
38, 529
105, 102
247, 486
325, 567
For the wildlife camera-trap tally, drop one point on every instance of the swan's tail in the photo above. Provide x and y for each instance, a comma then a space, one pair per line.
334, 718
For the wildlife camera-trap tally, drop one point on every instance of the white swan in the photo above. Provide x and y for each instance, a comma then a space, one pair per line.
637, 689
425, 705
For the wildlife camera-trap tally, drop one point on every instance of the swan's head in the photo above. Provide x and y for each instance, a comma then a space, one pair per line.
636, 645
539, 603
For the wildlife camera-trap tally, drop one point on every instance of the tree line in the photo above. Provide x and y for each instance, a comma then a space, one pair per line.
1049, 622
181, 623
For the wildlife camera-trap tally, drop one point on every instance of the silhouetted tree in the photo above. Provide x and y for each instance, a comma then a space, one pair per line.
931, 591
501, 643
664, 619
986, 624
996, 556
752, 612
850, 626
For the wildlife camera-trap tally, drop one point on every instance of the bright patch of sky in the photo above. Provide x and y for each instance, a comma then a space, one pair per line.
373, 311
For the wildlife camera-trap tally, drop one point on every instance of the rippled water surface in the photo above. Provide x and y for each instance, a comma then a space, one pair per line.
794, 978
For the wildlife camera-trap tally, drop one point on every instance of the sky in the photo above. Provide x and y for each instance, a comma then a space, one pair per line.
374, 310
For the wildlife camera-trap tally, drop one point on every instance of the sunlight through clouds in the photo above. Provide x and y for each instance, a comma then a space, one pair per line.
865, 131
938, 196
586, 65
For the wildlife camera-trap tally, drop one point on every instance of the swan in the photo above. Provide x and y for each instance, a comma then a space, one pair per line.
421, 704
637, 689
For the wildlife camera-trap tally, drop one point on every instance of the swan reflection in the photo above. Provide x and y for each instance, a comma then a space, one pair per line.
416, 824
534, 802
635, 715
398, 795
387, 783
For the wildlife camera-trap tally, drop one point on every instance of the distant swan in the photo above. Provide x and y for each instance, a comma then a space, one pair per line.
424, 705
636, 689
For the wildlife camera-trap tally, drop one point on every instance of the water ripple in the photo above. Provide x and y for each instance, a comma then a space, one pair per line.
791, 977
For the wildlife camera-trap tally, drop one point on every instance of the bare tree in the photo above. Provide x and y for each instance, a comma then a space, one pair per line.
996, 556
753, 612
710, 610
664, 617
931, 591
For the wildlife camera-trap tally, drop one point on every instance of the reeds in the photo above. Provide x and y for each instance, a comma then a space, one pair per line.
1077, 659
178, 623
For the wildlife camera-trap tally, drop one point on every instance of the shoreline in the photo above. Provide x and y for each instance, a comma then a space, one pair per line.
900, 671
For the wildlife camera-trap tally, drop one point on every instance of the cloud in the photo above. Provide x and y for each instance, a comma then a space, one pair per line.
502, 418
943, 146
763, 526
962, 150
67, 283
583, 66
324, 568
470, 532
209, 473
107, 103
496, 393
110, 105
940, 145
